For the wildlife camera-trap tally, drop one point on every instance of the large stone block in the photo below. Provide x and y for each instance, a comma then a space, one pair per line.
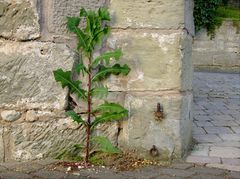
26, 74
163, 14
1, 145
156, 60
60, 9
19, 19
30, 141
142, 130
49, 138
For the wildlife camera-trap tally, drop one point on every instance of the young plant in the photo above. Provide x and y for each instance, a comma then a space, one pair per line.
96, 70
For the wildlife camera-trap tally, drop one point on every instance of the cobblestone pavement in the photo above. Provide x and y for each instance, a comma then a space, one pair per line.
216, 125
43, 170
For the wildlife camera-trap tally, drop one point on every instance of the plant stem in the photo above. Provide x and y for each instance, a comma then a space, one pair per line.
89, 109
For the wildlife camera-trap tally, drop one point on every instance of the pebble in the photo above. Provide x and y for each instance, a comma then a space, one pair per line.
10, 115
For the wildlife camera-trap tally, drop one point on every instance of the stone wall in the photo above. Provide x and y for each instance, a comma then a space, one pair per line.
156, 38
222, 53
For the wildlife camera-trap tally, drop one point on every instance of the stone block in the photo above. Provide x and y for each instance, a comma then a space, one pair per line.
26, 74
142, 130
230, 161
41, 139
1, 145
225, 152
218, 130
230, 137
60, 9
161, 14
207, 138
203, 160
231, 168
19, 20
10, 115
155, 60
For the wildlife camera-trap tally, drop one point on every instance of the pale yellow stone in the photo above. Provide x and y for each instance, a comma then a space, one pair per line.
162, 14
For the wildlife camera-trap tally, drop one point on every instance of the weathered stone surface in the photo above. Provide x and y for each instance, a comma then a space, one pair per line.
154, 66
49, 138
60, 9
31, 116
36, 140
221, 53
1, 145
10, 115
225, 152
19, 19
26, 71
188, 16
15, 175
162, 14
141, 131
203, 159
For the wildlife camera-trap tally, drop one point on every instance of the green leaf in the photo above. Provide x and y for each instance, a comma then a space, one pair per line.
100, 33
110, 108
108, 117
83, 12
106, 71
72, 23
99, 92
82, 39
104, 145
107, 56
75, 117
104, 14
81, 68
65, 79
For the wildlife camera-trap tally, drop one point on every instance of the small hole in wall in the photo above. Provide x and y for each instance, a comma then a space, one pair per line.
43, 51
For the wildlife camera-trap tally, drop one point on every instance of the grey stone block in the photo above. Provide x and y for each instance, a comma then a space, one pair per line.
19, 20
26, 71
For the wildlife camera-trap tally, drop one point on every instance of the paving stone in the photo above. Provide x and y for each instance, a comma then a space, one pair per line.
236, 129
182, 166
213, 112
206, 138
234, 175
202, 159
229, 161
202, 118
224, 166
238, 120
227, 144
222, 123
203, 123
218, 130
49, 174
230, 137
198, 130
222, 117
25, 167
14, 175
201, 176
176, 172
204, 170
224, 152
200, 150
